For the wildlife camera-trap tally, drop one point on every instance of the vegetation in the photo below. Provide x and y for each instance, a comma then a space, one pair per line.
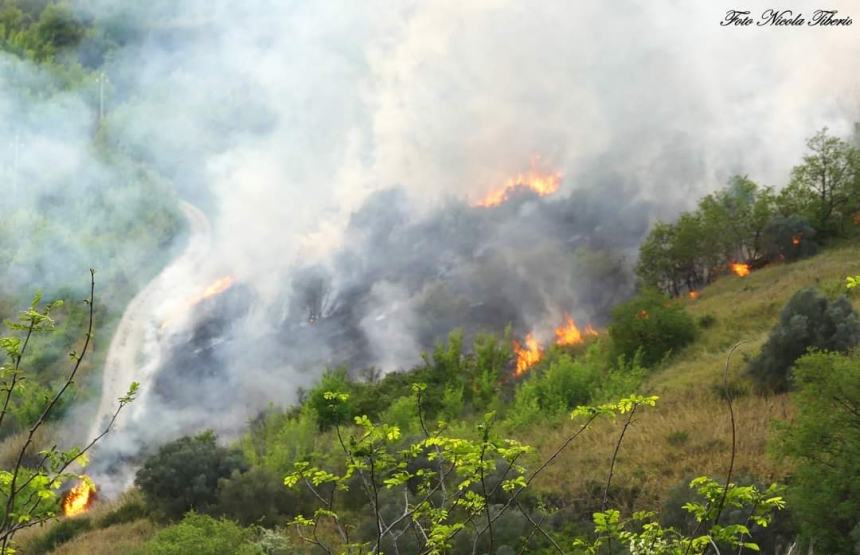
28, 489
184, 474
650, 326
823, 442
747, 223
808, 321
201, 535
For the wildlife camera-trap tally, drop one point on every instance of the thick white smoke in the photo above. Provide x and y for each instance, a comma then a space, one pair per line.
280, 119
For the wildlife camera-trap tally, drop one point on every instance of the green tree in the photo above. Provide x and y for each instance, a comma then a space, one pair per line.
823, 441
808, 321
184, 475
823, 185
28, 490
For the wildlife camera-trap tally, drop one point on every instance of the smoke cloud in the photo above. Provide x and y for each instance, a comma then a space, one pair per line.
337, 150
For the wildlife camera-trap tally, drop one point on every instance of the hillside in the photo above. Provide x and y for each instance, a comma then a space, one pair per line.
687, 434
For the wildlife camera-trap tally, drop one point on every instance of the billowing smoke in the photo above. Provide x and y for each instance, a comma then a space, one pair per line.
337, 150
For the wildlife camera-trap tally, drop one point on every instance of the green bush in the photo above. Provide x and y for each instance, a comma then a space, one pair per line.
823, 441
184, 474
809, 320
650, 326
328, 413
202, 535
257, 496
563, 384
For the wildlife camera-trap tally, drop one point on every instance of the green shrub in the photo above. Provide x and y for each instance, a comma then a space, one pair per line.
277, 440
809, 320
562, 384
651, 326
184, 474
328, 413
201, 535
257, 496
403, 413
824, 443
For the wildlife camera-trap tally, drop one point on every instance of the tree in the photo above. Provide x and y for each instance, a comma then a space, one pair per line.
823, 184
650, 325
823, 442
789, 238
443, 494
184, 475
28, 492
808, 321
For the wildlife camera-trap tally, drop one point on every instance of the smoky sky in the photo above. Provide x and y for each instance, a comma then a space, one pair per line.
337, 149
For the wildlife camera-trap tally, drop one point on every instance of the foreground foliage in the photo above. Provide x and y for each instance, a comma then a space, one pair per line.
444, 493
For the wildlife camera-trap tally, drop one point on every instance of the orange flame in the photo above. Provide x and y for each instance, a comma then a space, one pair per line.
742, 270
528, 355
215, 288
569, 334
694, 294
543, 184
79, 499
795, 239
642, 315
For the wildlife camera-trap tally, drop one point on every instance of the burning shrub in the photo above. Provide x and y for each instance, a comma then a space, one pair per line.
651, 326
789, 238
808, 321
184, 475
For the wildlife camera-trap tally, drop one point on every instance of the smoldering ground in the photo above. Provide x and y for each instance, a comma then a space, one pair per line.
336, 148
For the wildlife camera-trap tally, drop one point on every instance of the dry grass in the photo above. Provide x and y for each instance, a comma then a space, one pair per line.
98, 511
689, 432
682, 437
121, 538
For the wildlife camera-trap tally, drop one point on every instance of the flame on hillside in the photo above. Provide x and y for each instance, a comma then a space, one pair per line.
693, 294
528, 354
795, 239
540, 182
79, 499
569, 334
740, 269
530, 351
215, 288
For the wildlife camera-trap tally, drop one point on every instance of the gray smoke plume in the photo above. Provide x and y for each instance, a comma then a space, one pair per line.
337, 150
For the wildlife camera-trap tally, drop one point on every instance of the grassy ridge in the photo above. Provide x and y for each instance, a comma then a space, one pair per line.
687, 434
689, 431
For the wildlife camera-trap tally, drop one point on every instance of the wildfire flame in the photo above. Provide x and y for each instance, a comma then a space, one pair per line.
742, 270
694, 294
540, 182
215, 288
78, 499
528, 354
569, 334
795, 239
